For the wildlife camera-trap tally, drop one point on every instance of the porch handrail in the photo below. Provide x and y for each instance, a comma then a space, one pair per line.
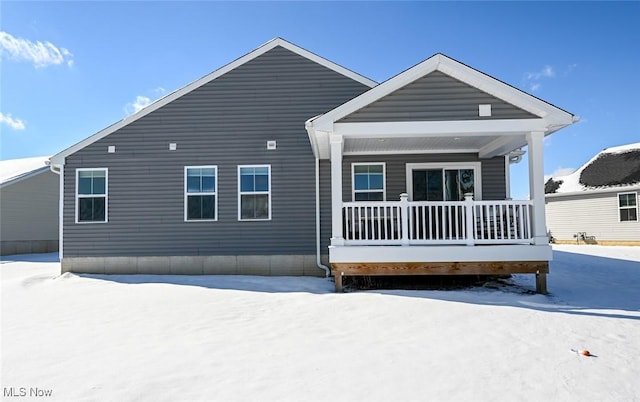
467, 222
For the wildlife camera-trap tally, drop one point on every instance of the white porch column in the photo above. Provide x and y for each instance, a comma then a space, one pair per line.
337, 143
536, 186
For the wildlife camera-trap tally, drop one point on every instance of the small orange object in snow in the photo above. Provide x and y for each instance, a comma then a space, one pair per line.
585, 353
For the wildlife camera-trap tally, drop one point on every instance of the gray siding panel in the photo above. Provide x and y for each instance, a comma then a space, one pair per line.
435, 96
227, 123
29, 214
493, 177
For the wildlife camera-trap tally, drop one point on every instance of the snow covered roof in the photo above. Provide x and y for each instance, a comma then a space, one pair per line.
615, 168
16, 169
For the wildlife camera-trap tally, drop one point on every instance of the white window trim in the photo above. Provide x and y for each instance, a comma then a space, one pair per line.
214, 193
240, 193
106, 195
353, 180
477, 174
620, 208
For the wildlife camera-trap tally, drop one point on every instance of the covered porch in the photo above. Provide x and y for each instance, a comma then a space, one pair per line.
454, 131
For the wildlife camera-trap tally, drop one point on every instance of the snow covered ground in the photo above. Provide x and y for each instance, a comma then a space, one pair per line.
239, 338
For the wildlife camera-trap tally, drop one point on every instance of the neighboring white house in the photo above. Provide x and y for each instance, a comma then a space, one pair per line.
29, 194
599, 202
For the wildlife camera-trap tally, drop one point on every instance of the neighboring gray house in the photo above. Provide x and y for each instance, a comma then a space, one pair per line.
409, 176
598, 203
29, 194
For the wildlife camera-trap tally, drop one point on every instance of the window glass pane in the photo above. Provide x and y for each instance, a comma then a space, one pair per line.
375, 169
208, 207
91, 209
255, 206
262, 182
361, 169
84, 184
247, 207
467, 181
193, 207
376, 182
435, 191
85, 209
246, 182
262, 170
208, 184
627, 200
361, 197
361, 182
98, 209
99, 185
201, 207
193, 184
452, 190
419, 185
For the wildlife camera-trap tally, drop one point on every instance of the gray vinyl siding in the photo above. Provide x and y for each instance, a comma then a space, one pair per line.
595, 214
29, 214
435, 96
492, 170
226, 123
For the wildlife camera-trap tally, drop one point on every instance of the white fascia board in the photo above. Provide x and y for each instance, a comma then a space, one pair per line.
620, 189
59, 159
373, 254
438, 128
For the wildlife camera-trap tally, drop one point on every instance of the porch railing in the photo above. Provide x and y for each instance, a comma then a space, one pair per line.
465, 222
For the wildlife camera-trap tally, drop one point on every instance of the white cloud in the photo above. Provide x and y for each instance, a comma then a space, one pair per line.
140, 103
12, 122
533, 79
41, 54
546, 72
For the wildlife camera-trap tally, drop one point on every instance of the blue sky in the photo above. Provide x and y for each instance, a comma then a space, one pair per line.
70, 69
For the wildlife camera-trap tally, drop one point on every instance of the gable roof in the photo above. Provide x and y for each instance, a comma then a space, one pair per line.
556, 117
58, 159
14, 170
615, 168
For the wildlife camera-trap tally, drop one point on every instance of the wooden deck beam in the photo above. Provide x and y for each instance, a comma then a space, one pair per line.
539, 268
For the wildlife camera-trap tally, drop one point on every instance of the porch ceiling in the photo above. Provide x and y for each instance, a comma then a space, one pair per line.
444, 144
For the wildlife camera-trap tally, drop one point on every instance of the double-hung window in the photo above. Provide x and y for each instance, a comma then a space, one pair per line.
628, 207
368, 181
200, 193
91, 195
254, 192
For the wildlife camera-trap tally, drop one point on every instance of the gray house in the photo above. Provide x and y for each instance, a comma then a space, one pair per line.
598, 203
409, 176
29, 195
